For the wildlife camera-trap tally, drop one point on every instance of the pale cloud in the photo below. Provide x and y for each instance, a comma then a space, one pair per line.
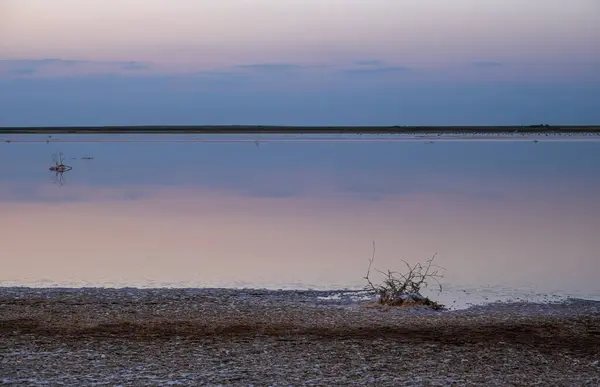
369, 62
271, 67
379, 70
67, 67
488, 64
366, 68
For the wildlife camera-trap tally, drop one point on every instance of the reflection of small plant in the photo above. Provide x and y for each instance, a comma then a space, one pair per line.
405, 288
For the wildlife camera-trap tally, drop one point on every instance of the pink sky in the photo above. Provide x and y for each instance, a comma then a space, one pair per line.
217, 33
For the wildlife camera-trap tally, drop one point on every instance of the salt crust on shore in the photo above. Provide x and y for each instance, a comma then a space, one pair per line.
159, 337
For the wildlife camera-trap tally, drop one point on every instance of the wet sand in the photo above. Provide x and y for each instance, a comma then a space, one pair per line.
261, 337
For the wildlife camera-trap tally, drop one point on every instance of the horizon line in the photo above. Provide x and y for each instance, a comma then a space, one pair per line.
298, 129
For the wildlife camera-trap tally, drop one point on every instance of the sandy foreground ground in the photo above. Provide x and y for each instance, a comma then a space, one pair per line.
192, 337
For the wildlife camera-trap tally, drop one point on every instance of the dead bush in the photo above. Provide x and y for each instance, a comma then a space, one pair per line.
404, 288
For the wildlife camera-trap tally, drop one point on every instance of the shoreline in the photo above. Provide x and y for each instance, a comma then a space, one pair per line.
268, 337
195, 312
271, 129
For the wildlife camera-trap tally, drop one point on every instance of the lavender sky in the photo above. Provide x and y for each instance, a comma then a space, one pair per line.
344, 62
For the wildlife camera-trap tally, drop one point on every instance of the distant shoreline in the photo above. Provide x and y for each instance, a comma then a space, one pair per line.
254, 129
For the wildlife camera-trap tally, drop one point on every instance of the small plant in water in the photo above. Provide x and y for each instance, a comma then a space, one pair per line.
59, 168
404, 289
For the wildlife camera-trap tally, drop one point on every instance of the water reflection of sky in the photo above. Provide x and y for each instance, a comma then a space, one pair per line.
301, 212
291, 169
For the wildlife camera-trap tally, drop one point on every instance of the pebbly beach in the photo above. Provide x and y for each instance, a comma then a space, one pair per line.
243, 337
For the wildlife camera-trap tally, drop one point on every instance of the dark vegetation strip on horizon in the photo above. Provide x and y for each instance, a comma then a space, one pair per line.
242, 129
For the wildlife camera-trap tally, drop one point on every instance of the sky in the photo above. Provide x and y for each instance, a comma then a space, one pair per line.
299, 62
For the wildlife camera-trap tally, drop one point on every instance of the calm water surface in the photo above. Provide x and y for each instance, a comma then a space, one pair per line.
506, 218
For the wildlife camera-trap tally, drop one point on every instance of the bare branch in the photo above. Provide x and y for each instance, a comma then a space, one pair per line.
399, 288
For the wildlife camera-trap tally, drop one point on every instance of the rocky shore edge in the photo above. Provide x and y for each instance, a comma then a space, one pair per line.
350, 338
